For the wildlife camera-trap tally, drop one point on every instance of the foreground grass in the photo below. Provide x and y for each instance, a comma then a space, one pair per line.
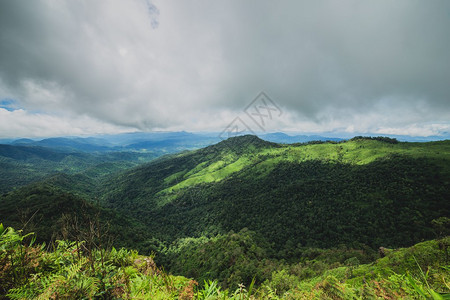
78, 270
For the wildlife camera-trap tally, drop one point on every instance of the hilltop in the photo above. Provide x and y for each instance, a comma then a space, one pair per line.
320, 194
265, 202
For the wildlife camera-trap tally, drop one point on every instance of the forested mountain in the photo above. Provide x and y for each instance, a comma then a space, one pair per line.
57, 214
239, 209
367, 191
159, 142
20, 165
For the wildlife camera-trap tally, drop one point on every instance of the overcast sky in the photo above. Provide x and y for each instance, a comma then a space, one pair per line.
86, 67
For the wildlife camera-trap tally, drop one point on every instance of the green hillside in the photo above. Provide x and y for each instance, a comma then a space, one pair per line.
57, 214
362, 191
291, 217
21, 165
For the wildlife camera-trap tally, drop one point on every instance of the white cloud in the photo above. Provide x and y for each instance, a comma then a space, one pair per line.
416, 130
20, 123
346, 65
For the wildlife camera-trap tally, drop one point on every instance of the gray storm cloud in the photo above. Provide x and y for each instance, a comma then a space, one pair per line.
183, 63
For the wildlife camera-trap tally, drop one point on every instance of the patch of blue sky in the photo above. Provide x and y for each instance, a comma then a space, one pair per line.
9, 104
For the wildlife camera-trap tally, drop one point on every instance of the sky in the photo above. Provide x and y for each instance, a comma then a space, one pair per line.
79, 67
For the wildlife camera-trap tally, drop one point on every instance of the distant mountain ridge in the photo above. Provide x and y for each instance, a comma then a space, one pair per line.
152, 140
24, 164
279, 137
182, 140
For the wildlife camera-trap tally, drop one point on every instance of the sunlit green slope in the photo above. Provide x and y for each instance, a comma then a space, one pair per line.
376, 192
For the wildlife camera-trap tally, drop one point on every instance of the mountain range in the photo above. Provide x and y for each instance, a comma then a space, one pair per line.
283, 198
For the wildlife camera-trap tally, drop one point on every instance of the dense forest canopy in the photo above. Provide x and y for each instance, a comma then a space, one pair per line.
239, 210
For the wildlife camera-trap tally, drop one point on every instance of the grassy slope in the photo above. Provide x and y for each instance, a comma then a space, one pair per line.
418, 272
290, 193
225, 162
206, 191
352, 152
330, 192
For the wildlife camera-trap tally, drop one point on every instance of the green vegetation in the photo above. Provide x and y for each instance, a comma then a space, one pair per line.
73, 270
243, 218
21, 165
57, 214
361, 192
69, 270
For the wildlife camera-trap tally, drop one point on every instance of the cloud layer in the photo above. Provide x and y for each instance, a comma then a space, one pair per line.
368, 66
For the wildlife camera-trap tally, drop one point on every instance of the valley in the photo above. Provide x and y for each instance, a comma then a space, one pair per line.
240, 211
